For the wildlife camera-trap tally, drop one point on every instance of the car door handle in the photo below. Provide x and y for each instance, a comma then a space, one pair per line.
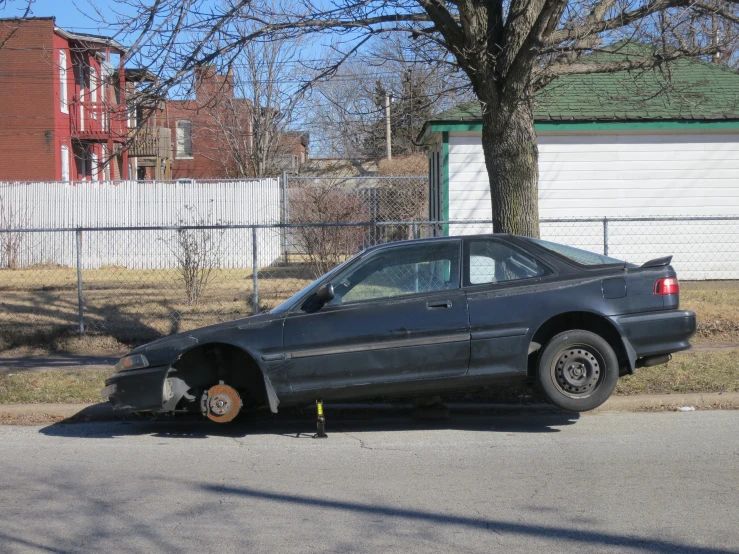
438, 305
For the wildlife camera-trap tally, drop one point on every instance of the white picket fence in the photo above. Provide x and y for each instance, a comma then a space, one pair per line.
64, 205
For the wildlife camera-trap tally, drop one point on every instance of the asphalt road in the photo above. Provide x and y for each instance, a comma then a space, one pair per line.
661, 482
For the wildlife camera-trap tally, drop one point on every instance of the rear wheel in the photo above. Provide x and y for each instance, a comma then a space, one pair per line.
578, 370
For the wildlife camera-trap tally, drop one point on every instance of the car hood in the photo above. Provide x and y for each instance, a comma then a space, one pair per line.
166, 350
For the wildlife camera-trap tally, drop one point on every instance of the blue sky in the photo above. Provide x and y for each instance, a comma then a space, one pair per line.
69, 15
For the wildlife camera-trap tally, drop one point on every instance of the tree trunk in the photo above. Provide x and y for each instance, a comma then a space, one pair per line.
512, 160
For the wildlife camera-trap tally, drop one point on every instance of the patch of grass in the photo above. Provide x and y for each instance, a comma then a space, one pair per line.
39, 306
62, 387
715, 302
716, 371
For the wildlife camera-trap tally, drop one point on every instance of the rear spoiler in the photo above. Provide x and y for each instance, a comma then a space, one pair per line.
658, 262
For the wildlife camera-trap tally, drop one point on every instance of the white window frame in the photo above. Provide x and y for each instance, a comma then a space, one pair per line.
65, 162
93, 91
181, 139
63, 87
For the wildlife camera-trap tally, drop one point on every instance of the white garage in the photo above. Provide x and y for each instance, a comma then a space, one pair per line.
659, 178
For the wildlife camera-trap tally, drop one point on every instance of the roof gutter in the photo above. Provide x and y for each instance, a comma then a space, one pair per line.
103, 41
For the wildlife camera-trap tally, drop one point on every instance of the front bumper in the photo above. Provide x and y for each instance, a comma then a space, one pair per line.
655, 333
137, 390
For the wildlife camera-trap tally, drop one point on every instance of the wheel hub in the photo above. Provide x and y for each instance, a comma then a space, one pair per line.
224, 403
577, 371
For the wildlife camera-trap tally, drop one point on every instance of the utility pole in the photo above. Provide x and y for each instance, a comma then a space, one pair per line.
410, 128
388, 144
714, 37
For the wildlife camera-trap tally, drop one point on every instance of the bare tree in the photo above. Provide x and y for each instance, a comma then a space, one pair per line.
12, 241
251, 125
326, 247
342, 111
508, 50
348, 116
197, 252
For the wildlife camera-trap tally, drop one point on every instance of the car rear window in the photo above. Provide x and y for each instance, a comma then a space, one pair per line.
575, 254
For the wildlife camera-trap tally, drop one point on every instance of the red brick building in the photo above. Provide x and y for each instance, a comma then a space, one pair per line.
212, 134
198, 127
62, 104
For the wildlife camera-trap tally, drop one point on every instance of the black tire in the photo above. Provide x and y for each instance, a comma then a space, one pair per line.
577, 370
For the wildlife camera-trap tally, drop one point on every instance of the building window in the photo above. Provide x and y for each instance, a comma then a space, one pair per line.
65, 163
184, 139
63, 81
93, 85
94, 167
105, 164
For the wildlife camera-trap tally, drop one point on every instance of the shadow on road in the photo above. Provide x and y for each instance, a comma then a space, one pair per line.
300, 424
574, 537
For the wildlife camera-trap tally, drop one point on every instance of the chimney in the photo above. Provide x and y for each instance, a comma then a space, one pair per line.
209, 84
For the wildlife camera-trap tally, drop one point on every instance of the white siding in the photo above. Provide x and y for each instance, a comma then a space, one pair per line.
623, 175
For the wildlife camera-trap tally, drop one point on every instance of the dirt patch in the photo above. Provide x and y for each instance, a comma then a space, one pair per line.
712, 346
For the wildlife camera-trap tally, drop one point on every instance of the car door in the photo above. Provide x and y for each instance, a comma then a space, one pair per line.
399, 314
498, 279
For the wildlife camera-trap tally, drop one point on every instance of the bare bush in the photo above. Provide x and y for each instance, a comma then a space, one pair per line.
414, 164
197, 252
12, 241
326, 247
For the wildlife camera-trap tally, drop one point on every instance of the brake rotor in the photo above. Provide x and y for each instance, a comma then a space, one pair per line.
224, 403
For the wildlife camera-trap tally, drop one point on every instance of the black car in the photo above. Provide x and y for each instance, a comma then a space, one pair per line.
425, 317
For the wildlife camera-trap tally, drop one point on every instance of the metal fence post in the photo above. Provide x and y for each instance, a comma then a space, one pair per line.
285, 217
255, 271
605, 236
415, 230
78, 236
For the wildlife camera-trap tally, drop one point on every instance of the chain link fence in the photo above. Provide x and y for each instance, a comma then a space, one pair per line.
138, 283
366, 198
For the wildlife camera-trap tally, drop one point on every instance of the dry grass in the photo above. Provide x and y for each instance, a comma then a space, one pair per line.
128, 306
688, 372
38, 306
415, 164
717, 306
55, 387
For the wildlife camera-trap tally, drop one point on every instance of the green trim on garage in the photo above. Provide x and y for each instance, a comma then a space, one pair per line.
584, 126
445, 179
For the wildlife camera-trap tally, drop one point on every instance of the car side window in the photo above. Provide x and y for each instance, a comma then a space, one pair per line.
399, 271
492, 261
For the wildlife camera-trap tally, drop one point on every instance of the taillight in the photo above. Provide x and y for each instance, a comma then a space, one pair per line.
668, 285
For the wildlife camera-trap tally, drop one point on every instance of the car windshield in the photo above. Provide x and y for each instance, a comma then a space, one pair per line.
287, 304
577, 255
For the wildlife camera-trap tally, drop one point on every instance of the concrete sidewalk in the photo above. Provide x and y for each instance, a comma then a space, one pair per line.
103, 411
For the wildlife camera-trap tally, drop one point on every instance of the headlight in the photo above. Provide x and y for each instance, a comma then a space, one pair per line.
135, 361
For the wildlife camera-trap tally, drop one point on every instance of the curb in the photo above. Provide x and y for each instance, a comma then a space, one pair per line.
647, 402
705, 400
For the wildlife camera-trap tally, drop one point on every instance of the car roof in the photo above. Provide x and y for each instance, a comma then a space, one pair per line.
437, 239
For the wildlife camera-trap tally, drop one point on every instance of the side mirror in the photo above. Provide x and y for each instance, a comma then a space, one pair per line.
325, 294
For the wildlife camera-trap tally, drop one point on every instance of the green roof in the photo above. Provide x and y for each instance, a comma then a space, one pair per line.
685, 89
